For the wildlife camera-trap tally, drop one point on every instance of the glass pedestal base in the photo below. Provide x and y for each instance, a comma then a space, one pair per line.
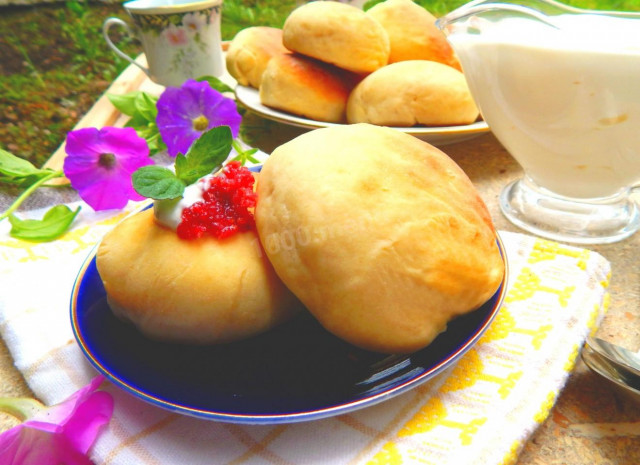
569, 220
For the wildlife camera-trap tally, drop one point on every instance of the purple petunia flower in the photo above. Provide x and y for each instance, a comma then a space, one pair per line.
186, 112
100, 162
63, 433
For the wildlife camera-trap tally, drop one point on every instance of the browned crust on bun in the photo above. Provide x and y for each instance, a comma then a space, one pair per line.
338, 34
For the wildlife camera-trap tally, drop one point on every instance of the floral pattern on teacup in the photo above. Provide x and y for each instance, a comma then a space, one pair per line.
192, 21
175, 35
184, 34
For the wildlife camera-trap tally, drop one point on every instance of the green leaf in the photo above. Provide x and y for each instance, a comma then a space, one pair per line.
146, 106
52, 225
139, 105
206, 154
137, 122
149, 132
246, 156
155, 143
125, 104
215, 83
16, 167
22, 182
156, 182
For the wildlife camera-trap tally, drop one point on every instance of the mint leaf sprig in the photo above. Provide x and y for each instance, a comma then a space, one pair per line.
244, 155
206, 155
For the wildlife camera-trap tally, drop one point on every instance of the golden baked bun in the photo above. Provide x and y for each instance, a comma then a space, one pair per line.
382, 236
410, 93
306, 87
339, 34
250, 51
413, 34
203, 291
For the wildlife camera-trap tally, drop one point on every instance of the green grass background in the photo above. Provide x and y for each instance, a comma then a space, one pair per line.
54, 62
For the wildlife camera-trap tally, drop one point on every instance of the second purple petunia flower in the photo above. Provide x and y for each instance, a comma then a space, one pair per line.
185, 112
100, 162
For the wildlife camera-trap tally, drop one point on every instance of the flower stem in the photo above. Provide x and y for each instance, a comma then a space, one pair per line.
58, 185
22, 197
236, 145
243, 155
22, 408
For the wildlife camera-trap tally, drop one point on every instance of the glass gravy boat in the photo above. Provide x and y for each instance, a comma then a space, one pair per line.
560, 89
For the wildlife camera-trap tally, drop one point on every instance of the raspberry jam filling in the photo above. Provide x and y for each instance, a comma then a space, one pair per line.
226, 206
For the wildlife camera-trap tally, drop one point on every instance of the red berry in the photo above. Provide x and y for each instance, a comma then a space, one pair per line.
226, 206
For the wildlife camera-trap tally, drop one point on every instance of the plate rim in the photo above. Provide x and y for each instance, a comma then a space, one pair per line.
281, 418
243, 92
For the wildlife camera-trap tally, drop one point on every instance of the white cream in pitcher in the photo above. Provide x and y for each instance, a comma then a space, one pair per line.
565, 102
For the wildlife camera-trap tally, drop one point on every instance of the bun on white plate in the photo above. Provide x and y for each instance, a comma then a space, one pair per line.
306, 87
336, 33
413, 34
250, 51
410, 93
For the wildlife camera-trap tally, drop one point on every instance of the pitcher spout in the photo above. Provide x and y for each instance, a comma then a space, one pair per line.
541, 11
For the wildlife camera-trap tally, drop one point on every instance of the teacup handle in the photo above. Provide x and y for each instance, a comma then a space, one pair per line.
108, 23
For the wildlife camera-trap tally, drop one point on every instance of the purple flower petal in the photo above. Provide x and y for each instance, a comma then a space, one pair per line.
224, 113
124, 142
87, 421
24, 445
179, 140
60, 412
63, 433
178, 107
105, 186
105, 193
81, 151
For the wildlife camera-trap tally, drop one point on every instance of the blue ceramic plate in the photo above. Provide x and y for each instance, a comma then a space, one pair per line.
295, 372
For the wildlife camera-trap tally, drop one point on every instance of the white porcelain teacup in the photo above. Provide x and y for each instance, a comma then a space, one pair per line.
180, 38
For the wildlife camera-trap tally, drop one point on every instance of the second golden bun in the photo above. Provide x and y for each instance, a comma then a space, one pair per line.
339, 34
410, 93
413, 34
382, 236
306, 87
203, 291
250, 51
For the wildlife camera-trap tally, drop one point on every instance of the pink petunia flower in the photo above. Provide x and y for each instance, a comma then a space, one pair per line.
62, 434
185, 112
176, 35
100, 162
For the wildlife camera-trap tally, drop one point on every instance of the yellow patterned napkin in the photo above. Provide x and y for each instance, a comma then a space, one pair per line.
479, 411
